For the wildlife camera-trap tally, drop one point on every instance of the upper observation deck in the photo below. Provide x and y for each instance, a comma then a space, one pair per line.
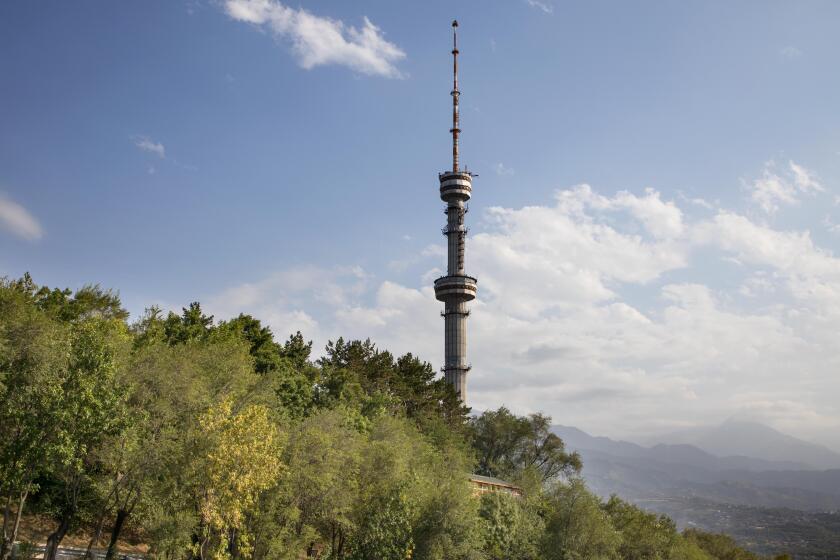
455, 185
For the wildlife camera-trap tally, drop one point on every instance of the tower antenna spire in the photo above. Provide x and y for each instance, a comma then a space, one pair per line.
455, 94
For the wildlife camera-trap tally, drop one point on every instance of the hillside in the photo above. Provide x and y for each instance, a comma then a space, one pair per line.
768, 505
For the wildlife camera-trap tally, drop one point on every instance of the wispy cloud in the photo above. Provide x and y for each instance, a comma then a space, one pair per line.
542, 6
790, 52
502, 171
17, 220
148, 145
318, 41
775, 188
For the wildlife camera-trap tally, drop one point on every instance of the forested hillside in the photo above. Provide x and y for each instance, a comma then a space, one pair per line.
211, 439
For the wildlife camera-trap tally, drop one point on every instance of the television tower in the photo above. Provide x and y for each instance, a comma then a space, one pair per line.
456, 288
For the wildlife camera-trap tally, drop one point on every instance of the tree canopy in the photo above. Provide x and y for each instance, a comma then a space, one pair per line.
213, 440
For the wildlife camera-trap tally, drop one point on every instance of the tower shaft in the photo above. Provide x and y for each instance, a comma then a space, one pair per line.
456, 288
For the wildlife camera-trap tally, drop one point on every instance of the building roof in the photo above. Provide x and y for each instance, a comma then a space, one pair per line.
492, 480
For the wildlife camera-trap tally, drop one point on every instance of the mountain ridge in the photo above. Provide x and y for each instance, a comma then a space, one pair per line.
752, 439
663, 471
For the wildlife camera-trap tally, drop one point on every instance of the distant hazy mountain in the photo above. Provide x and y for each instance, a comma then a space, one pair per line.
664, 472
750, 439
679, 453
772, 500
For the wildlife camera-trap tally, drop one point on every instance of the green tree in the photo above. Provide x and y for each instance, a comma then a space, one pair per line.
577, 527
645, 536
324, 461
90, 301
358, 373
719, 547
90, 409
385, 527
688, 550
513, 526
265, 352
33, 366
175, 386
191, 325
510, 446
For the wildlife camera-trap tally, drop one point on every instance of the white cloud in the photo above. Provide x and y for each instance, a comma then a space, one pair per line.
548, 257
542, 6
319, 40
804, 180
585, 312
772, 189
790, 52
148, 145
757, 285
702, 203
17, 220
830, 225
502, 171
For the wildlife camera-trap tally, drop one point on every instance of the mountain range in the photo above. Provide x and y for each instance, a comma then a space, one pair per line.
791, 478
751, 439
742, 478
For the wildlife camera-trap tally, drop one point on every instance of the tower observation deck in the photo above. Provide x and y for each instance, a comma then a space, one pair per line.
456, 288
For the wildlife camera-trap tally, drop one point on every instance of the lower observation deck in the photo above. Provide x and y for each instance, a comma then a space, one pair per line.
456, 287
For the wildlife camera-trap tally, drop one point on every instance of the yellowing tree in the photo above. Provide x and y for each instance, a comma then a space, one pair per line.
241, 459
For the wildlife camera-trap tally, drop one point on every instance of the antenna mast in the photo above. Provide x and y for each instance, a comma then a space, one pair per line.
455, 93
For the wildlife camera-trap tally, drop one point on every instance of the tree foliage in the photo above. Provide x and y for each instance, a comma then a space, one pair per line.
511, 446
216, 441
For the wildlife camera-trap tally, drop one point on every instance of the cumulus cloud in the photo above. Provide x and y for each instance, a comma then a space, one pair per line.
603, 309
146, 144
318, 41
774, 189
548, 257
17, 220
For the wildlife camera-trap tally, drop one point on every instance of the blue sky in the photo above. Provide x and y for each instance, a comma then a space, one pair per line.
281, 159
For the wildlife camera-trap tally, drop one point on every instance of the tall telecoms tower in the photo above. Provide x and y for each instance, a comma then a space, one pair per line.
456, 288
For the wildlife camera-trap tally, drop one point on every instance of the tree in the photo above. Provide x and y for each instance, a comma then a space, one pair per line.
357, 372
265, 352
33, 365
220, 443
577, 527
719, 547
239, 458
385, 527
689, 550
645, 536
513, 526
324, 459
510, 446
59, 357
191, 325
90, 301
443, 511
175, 386
89, 410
